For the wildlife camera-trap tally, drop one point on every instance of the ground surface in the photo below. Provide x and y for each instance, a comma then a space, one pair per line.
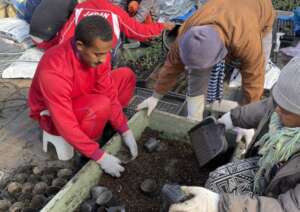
29, 187
20, 137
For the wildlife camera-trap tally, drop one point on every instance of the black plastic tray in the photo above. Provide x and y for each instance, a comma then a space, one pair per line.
171, 103
288, 28
285, 26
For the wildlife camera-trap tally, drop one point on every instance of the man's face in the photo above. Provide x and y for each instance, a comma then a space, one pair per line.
287, 118
95, 54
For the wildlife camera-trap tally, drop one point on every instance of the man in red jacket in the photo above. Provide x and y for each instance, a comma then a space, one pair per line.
74, 82
43, 25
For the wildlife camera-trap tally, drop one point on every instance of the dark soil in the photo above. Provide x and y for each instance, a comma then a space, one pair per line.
175, 163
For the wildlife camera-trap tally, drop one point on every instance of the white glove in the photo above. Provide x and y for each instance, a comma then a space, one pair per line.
247, 134
149, 103
195, 106
203, 200
130, 142
226, 120
111, 165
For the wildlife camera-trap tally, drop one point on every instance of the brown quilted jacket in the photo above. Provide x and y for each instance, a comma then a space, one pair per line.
241, 25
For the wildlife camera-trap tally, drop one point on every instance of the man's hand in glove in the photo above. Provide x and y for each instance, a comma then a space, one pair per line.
247, 134
130, 142
149, 103
203, 200
111, 165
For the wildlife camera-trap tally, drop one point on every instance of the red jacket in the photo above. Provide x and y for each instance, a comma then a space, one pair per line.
119, 19
61, 77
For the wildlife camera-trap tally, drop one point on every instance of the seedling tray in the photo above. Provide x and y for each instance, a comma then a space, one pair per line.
171, 103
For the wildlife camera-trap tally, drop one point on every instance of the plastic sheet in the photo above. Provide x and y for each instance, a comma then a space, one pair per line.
170, 9
25, 66
14, 29
271, 76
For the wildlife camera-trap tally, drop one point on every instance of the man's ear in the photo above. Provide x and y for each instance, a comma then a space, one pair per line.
80, 45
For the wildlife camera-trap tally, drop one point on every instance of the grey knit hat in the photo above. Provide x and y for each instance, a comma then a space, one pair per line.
201, 47
286, 91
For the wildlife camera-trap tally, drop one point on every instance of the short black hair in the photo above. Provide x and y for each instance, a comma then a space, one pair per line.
92, 27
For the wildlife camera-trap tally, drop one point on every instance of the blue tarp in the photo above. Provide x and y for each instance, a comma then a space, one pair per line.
25, 8
182, 18
297, 20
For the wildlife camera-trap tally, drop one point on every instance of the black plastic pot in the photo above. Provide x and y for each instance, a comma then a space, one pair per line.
208, 140
172, 194
149, 187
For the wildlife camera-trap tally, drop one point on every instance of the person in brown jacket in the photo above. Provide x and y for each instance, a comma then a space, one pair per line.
268, 178
235, 30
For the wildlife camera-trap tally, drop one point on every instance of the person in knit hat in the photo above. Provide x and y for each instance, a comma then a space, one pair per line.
268, 178
221, 29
